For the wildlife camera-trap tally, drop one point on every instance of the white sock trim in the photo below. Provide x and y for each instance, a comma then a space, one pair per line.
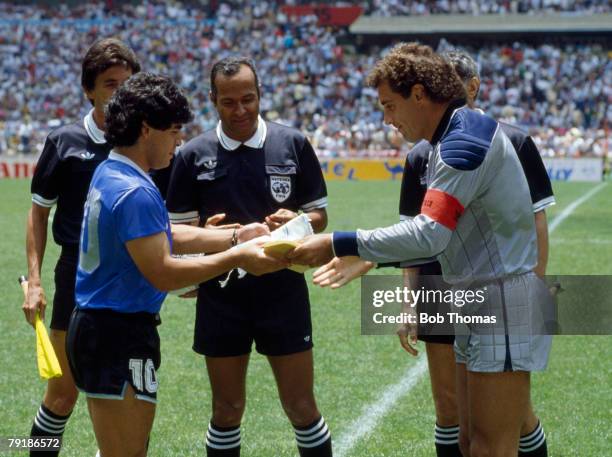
53, 430
534, 444
218, 439
52, 420
311, 429
318, 443
307, 440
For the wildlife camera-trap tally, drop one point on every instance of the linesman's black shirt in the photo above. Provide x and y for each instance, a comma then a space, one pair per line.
540, 187
62, 176
414, 185
276, 168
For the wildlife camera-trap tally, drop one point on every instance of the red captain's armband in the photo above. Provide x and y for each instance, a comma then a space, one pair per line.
442, 208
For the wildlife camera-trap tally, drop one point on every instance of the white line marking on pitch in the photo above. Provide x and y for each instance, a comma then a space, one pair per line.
572, 207
581, 241
374, 412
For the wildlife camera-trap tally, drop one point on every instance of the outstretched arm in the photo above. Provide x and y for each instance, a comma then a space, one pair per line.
187, 239
151, 254
340, 271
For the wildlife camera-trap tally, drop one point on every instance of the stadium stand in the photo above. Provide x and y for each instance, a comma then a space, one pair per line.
473, 7
313, 74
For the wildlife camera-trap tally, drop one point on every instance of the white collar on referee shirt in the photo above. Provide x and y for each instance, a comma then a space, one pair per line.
126, 160
256, 141
96, 135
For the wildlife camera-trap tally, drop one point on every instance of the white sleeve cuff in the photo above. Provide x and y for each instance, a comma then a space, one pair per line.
44, 202
317, 204
544, 203
182, 218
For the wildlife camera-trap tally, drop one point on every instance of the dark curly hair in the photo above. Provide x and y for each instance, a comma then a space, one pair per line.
102, 55
145, 97
229, 67
408, 64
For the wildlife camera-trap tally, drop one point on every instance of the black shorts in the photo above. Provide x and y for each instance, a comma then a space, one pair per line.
273, 310
65, 281
107, 350
434, 333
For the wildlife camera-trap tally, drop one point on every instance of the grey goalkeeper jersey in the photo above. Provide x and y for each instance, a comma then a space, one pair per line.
476, 216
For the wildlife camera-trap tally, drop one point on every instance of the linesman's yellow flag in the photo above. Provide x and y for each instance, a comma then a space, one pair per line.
48, 365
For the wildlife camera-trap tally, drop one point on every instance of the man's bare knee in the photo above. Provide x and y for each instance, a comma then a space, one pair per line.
227, 413
301, 411
61, 401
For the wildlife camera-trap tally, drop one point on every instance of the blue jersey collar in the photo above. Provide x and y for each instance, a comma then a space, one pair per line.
453, 107
121, 158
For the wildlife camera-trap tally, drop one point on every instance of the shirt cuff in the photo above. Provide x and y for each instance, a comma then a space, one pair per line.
183, 218
345, 244
44, 202
543, 204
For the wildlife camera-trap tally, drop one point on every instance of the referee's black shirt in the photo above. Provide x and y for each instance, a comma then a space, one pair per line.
248, 181
62, 176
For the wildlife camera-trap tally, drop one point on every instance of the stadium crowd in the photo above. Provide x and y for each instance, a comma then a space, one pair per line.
473, 7
560, 93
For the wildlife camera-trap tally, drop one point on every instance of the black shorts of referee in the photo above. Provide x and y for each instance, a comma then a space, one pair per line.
272, 310
108, 350
65, 281
430, 278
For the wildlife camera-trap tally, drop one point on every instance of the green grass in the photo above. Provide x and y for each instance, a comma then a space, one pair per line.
573, 398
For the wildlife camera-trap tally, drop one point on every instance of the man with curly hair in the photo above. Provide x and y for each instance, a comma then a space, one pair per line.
482, 239
125, 264
439, 341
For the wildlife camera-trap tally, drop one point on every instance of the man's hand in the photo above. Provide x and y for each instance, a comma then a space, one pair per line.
314, 250
280, 217
408, 333
340, 271
34, 302
254, 260
250, 231
213, 222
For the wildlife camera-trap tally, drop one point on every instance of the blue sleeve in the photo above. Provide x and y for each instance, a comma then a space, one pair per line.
138, 213
345, 244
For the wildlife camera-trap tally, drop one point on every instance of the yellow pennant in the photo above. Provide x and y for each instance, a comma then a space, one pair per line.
48, 365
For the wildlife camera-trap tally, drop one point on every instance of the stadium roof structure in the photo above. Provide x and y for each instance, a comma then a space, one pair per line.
493, 24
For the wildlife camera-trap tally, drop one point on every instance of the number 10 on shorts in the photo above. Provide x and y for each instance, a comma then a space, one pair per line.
143, 371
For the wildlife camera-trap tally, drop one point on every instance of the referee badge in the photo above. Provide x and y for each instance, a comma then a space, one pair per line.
280, 186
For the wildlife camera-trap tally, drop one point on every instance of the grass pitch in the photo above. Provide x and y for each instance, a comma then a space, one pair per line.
573, 398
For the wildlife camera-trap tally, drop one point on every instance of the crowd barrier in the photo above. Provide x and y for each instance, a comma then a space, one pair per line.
559, 169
